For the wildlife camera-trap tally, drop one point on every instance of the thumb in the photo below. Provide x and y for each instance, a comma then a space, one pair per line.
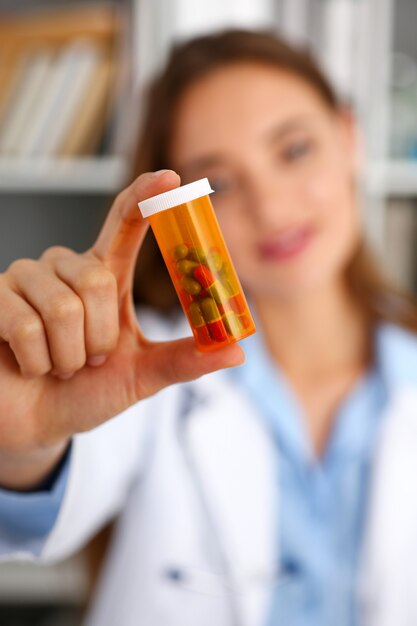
119, 241
179, 361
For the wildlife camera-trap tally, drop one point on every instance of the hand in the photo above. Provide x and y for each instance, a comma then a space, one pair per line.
71, 352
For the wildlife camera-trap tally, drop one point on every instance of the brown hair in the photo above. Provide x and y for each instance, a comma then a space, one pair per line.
191, 61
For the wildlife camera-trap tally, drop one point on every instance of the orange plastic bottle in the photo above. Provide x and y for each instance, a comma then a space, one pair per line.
188, 234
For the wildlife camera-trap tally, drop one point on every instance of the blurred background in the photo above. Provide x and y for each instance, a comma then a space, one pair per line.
72, 75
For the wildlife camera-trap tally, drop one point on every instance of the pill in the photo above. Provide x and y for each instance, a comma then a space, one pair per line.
234, 292
232, 323
204, 276
185, 266
218, 292
215, 259
195, 314
180, 252
202, 334
198, 323
190, 285
245, 321
238, 303
210, 310
213, 318
197, 254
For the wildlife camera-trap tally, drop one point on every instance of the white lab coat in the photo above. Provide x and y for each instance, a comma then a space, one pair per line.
192, 472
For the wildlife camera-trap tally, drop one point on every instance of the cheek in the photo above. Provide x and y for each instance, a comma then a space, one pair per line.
239, 238
333, 204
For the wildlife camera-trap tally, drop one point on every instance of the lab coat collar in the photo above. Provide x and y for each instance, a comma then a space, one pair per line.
396, 356
390, 548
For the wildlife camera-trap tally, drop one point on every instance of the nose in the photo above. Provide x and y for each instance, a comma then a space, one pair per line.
268, 202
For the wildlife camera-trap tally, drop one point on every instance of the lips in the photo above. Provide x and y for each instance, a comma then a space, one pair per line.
285, 244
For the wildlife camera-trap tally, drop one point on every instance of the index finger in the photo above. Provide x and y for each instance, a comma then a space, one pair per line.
123, 231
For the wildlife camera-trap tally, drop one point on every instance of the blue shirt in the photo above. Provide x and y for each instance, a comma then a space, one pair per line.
322, 503
27, 518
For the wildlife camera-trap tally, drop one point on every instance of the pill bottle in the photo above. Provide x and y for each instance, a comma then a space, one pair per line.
188, 234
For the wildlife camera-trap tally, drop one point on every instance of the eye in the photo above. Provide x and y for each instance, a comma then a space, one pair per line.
297, 150
222, 184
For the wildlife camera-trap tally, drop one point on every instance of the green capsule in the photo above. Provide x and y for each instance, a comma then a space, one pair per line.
196, 316
229, 281
215, 259
190, 285
198, 254
180, 252
186, 267
210, 311
218, 292
232, 323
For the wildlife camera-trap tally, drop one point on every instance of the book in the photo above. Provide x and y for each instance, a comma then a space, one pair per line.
92, 114
60, 25
30, 83
51, 66
67, 85
8, 62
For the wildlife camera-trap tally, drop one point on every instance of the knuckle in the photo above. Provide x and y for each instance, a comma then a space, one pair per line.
55, 252
26, 328
21, 266
97, 280
64, 308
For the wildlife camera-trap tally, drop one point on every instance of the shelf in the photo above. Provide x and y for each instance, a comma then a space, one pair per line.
393, 178
64, 582
81, 175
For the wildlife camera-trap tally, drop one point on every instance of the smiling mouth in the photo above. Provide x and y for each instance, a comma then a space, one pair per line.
285, 245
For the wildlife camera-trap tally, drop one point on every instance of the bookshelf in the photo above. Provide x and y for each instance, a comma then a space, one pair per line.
92, 175
65, 93
394, 178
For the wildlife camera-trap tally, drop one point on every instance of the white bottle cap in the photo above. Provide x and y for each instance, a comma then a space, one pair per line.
180, 195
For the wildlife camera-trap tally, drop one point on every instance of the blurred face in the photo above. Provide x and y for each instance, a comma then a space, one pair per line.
282, 167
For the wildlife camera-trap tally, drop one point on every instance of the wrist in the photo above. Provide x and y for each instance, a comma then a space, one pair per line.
26, 471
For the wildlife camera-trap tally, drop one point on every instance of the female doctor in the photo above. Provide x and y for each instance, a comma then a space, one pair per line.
279, 492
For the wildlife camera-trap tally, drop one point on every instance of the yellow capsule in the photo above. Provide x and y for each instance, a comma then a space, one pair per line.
190, 285
180, 252
186, 267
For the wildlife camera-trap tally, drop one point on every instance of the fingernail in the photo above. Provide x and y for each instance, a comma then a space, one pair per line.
159, 173
95, 361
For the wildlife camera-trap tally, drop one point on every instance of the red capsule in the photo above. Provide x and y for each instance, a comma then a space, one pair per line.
217, 330
244, 321
199, 325
203, 336
238, 303
204, 276
213, 318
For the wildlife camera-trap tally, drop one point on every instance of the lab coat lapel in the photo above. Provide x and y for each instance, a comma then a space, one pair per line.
390, 554
235, 463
